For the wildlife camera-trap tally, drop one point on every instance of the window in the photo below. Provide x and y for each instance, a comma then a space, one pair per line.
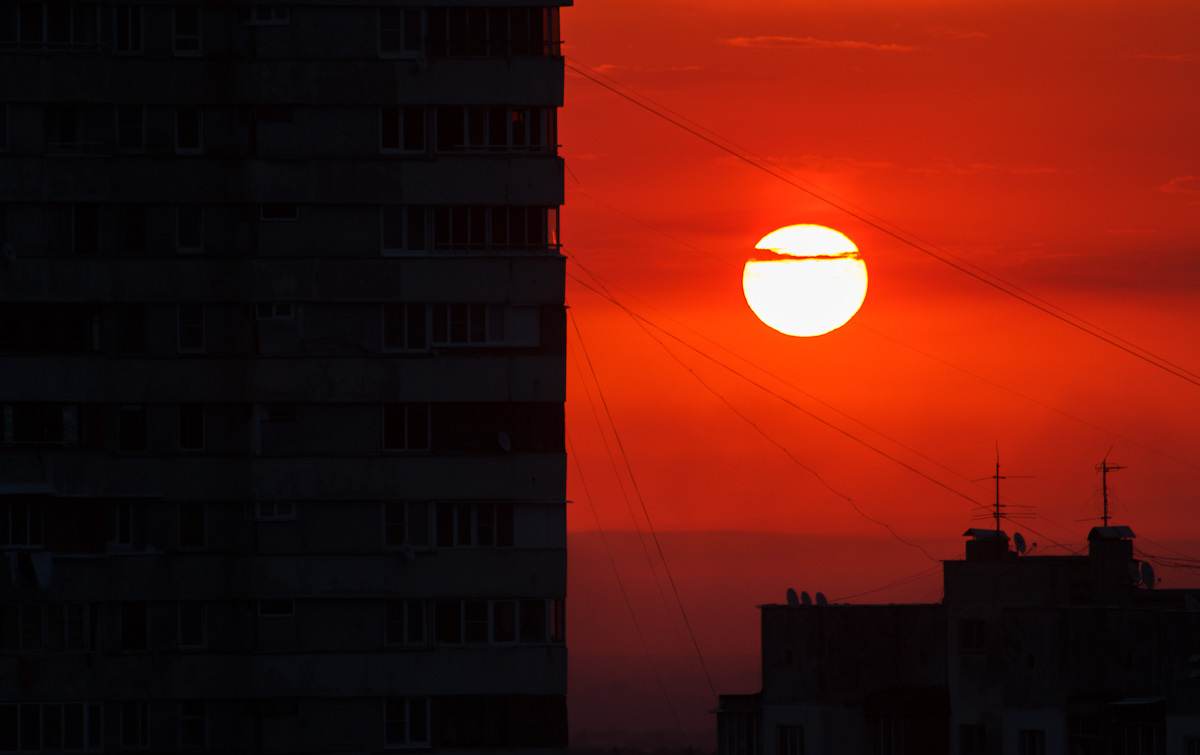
41, 424
72, 229
474, 525
402, 229
402, 129
1138, 738
406, 722
406, 523
458, 324
481, 228
44, 626
131, 128
20, 522
887, 735
496, 128
279, 212
405, 327
401, 32
406, 427
62, 128
737, 734
131, 229
191, 427
187, 30
972, 739
459, 31
789, 740
277, 607
121, 524
192, 626
272, 510
193, 724
275, 310
1031, 742
971, 634
135, 725
189, 130
404, 622
500, 621
134, 633
192, 526
53, 26
558, 620
55, 328
71, 26
266, 15
28, 727
133, 333
132, 429
129, 29
191, 328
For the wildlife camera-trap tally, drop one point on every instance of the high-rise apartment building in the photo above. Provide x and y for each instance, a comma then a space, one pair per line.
282, 376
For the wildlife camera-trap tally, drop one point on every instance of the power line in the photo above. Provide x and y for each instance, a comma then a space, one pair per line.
620, 583
645, 511
779, 396
989, 279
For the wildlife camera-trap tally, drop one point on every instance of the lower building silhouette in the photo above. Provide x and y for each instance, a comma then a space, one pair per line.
1025, 655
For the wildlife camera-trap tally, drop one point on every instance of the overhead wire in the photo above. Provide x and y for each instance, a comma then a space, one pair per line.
777, 395
645, 512
638, 321
973, 271
621, 583
620, 481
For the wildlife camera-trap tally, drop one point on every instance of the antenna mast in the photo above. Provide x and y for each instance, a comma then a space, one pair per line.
1104, 467
997, 507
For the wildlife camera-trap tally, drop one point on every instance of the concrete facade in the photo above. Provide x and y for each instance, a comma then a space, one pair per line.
1025, 655
282, 371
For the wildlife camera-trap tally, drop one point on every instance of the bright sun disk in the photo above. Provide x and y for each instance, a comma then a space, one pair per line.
814, 285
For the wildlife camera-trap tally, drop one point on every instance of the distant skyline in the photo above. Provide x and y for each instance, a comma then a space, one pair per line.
1050, 144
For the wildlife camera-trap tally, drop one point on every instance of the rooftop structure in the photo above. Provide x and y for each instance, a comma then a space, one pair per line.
1025, 655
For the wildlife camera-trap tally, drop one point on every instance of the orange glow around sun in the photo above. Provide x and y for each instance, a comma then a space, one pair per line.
813, 285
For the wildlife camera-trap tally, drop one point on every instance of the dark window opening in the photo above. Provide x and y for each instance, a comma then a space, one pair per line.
132, 429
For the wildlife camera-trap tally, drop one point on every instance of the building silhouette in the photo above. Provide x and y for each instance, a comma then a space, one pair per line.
1025, 655
282, 376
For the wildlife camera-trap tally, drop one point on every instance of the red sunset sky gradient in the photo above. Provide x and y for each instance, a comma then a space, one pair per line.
1053, 144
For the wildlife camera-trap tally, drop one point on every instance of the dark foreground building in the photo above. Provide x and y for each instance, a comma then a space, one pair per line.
1026, 655
282, 376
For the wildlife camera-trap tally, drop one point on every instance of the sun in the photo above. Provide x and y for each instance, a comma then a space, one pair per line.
814, 282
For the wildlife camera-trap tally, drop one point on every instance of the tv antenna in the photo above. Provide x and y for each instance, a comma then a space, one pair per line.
998, 507
1104, 468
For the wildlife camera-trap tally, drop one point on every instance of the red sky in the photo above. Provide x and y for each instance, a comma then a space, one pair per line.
1053, 144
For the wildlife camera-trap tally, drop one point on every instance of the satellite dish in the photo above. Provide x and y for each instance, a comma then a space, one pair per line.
804, 599
821, 601
793, 601
1019, 542
1147, 574
1135, 573
505, 441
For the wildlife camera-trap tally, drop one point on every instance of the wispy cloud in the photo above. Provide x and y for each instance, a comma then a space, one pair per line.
1182, 185
610, 67
812, 43
944, 33
1183, 57
947, 166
